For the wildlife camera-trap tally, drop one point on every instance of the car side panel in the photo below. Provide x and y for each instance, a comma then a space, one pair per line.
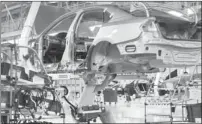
122, 31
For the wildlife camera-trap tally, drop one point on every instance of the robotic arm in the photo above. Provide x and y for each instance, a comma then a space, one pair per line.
85, 111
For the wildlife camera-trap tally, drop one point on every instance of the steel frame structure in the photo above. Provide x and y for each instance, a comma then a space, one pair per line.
89, 90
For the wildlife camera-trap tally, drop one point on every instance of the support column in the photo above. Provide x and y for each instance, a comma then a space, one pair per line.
156, 82
0, 59
27, 29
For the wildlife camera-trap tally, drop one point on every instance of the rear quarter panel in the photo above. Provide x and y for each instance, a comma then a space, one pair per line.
120, 31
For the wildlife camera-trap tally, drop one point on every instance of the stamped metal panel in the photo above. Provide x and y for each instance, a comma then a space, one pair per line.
120, 31
177, 52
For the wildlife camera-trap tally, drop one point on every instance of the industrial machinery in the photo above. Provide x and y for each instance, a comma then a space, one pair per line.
91, 43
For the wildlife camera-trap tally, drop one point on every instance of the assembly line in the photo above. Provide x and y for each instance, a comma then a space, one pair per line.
100, 63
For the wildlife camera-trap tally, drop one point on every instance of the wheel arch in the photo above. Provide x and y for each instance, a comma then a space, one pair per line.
92, 49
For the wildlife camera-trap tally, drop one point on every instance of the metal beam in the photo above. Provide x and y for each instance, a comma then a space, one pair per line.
0, 60
11, 17
27, 29
7, 35
156, 83
15, 6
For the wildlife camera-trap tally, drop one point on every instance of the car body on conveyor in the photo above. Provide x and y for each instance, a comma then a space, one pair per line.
107, 39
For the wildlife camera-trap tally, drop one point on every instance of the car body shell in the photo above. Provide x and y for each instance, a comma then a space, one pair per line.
124, 30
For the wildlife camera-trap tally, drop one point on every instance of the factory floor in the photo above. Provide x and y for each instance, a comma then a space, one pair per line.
133, 112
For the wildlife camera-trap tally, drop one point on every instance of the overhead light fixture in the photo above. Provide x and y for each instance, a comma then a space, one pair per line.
104, 2
175, 13
52, 2
53, 34
190, 12
178, 14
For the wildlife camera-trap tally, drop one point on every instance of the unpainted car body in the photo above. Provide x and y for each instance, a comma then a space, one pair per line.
115, 42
